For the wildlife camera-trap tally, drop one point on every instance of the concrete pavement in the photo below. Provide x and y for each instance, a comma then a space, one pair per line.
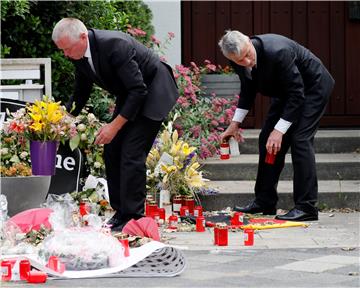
326, 254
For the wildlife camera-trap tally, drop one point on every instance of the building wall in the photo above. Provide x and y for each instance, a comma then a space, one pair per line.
167, 18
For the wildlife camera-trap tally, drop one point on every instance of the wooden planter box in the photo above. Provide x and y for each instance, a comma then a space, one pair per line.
24, 193
223, 85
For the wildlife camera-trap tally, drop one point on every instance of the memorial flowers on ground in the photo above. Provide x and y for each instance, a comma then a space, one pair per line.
173, 165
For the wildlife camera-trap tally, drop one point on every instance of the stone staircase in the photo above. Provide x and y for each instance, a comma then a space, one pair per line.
338, 170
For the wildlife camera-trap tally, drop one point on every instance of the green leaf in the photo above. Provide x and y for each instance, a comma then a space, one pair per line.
74, 142
15, 159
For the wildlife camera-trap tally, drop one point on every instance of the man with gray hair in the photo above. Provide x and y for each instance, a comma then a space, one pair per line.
145, 91
299, 86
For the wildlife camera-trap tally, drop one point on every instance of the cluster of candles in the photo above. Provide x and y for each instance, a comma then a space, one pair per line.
20, 270
221, 231
182, 206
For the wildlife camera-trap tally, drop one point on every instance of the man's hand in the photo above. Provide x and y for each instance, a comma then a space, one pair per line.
232, 131
273, 144
107, 133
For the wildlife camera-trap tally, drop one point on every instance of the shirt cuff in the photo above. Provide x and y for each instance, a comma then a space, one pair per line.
239, 115
282, 125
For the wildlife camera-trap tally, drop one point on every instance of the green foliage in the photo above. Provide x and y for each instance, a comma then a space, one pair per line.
27, 28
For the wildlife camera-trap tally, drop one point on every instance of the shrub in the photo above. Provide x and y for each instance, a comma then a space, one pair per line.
31, 36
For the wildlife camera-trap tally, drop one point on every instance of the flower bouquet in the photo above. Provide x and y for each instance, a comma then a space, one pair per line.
172, 165
87, 126
44, 124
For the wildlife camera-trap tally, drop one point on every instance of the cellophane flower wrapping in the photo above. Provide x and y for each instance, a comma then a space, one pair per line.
83, 249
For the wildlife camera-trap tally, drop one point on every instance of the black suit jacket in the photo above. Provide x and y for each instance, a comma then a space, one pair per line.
125, 68
284, 70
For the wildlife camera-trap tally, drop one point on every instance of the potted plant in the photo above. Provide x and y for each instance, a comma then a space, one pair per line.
44, 124
218, 80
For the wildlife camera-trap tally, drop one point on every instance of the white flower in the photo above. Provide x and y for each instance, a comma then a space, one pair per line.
83, 137
4, 151
91, 117
24, 154
81, 127
97, 164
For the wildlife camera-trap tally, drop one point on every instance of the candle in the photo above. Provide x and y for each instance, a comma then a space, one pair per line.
198, 211
248, 237
237, 219
222, 234
200, 224
5, 270
190, 203
125, 243
224, 151
177, 203
162, 213
152, 208
184, 211
36, 277
24, 268
270, 158
173, 220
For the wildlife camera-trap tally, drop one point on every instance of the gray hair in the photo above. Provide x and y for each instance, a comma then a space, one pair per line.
233, 42
70, 27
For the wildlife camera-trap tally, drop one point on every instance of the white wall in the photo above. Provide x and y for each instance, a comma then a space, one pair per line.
167, 18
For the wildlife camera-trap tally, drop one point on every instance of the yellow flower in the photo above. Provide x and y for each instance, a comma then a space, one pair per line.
36, 117
37, 126
168, 169
187, 150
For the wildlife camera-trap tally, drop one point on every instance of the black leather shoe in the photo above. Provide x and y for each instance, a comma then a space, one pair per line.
115, 220
298, 215
118, 227
254, 208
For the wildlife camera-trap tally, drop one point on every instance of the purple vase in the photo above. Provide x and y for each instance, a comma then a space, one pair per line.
43, 157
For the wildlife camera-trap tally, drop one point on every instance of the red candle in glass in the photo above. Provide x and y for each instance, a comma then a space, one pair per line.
177, 203
152, 208
270, 158
6, 270
190, 203
24, 268
198, 211
82, 209
237, 219
125, 243
55, 264
36, 277
224, 151
184, 211
162, 213
173, 220
248, 237
200, 224
222, 234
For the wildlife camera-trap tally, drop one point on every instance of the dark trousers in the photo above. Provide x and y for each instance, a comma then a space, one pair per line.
125, 162
300, 137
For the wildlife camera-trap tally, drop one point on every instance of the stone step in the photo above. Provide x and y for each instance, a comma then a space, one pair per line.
344, 166
326, 141
332, 194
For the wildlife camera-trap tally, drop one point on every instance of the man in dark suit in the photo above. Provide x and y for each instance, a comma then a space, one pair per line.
299, 86
145, 92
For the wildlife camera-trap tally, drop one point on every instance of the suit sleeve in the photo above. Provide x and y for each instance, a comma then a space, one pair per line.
82, 90
292, 86
127, 69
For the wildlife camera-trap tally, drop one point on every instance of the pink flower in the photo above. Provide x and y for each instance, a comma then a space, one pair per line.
163, 59
171, 35
155, 40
